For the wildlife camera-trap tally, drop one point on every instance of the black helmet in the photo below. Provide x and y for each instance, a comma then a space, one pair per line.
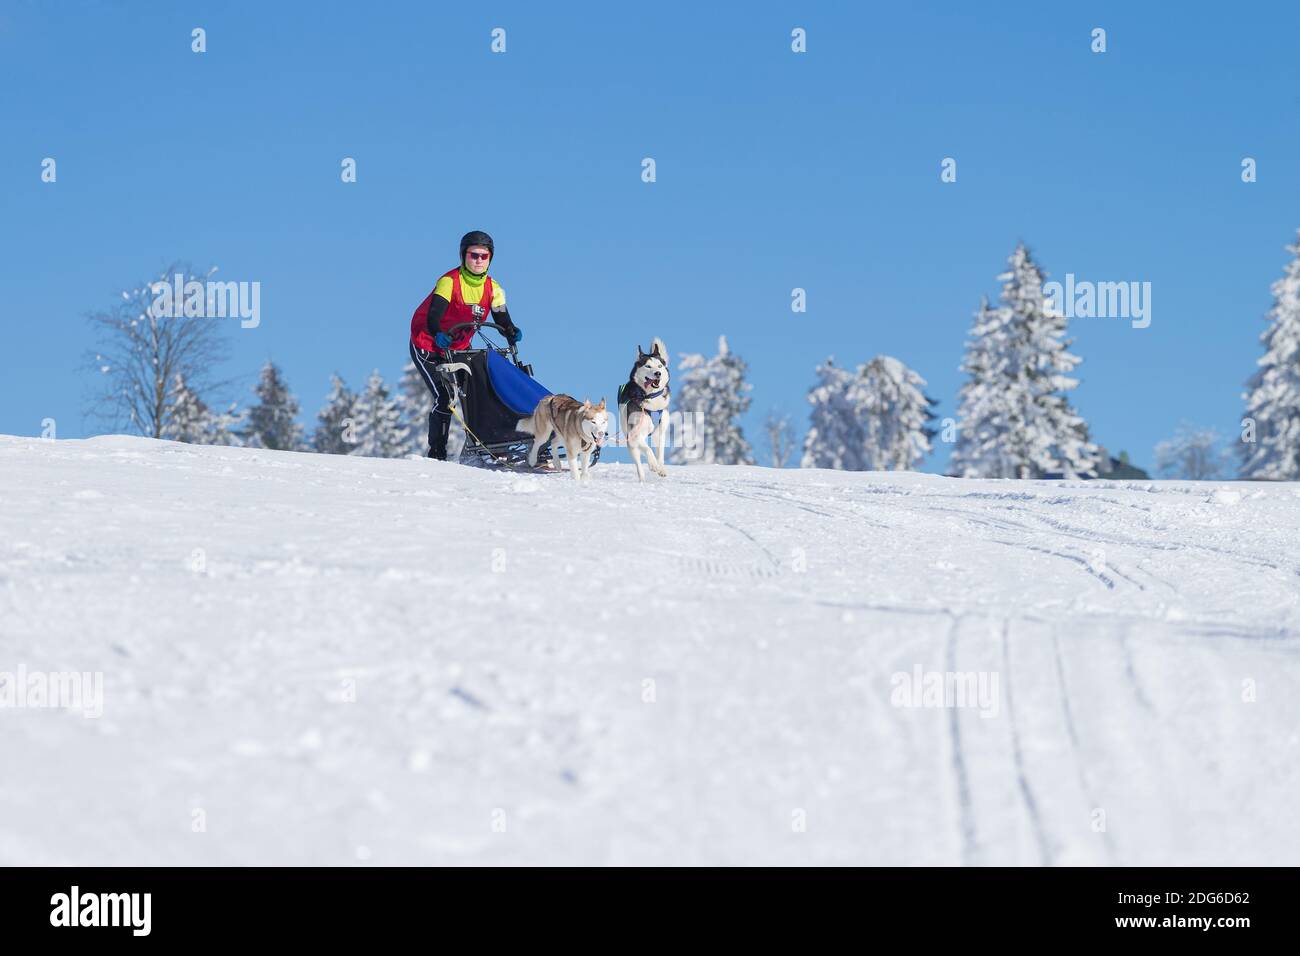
476, 238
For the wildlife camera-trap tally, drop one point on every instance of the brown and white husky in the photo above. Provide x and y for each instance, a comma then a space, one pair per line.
580, 427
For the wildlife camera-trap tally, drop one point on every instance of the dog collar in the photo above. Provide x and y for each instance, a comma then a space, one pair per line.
654, 394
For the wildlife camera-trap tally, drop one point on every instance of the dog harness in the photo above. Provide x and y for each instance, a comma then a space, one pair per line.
636, 396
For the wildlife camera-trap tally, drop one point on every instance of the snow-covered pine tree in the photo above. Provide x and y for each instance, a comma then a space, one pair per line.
713, 393
834, 438
1016, 421
893, 415
226, 427
1070, 452
381, 433
416, 402
336, 421
272, 422
1273, 401
986, 411
873, 419
190, 419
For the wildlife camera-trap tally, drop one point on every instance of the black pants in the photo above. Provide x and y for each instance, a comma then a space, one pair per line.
440, 416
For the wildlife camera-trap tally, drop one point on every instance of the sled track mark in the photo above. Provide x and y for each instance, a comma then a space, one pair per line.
719, 567
1075, 532
1001, 524
882, 608
1065, 691
1131, 672
1099, 537
1120, 574
1103, 578
1026, 793
1055, 499
716, 567
792, 503
1067, 709
468, 698
965, 810
772, 559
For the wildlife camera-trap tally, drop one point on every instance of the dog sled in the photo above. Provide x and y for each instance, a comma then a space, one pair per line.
491, 391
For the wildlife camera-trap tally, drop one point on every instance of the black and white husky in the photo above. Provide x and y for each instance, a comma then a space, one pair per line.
646, 392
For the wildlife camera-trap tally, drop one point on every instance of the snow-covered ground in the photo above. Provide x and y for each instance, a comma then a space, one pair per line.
312, 659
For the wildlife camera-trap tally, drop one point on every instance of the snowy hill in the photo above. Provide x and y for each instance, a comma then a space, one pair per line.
314, 659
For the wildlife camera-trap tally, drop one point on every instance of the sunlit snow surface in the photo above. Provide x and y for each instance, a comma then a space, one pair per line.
310, 659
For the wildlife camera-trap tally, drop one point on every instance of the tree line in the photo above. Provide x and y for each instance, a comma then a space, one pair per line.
1014, 419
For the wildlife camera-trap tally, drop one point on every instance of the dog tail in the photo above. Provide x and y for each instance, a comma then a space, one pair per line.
527, 425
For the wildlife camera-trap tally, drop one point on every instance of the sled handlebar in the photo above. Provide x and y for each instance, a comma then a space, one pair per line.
480, 326
474, 325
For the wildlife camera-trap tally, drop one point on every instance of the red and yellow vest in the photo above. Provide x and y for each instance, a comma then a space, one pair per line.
450, 287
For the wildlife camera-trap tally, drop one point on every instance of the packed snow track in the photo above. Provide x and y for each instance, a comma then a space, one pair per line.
310, 659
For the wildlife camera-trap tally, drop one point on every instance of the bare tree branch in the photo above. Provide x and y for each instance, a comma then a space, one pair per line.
139, 353
780, 439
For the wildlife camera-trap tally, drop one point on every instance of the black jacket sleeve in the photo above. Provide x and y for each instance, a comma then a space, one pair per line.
437, 308
503, 319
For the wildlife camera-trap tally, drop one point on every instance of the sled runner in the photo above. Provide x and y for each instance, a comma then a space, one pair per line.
491, 390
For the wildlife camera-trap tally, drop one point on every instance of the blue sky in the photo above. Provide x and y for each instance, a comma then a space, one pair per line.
775, 170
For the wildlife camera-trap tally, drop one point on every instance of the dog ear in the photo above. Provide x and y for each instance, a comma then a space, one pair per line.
601, 406
640, 352
586, 403
657, 348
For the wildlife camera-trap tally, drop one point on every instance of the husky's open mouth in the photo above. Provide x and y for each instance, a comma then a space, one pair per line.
652, 382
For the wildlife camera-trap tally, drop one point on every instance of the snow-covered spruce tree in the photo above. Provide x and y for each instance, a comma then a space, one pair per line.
416, 403
1070, 451
834, 438
272, 422
189, 419
986, 411
873, 419
893, 414
381, 432
1273, 401
336, 421
226, 427
713, 393
1016, 421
